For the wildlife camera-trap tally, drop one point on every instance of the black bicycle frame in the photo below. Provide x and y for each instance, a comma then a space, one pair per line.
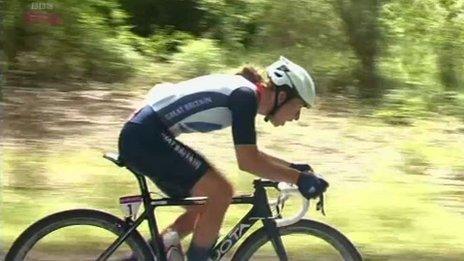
259, 211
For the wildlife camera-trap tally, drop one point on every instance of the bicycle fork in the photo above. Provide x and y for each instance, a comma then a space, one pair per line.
269, 223
273, 233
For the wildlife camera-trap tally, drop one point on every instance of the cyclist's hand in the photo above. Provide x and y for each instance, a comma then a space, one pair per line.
310, 185
301, 167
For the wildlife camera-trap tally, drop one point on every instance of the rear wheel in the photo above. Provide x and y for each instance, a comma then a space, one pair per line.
304, 240
77, 235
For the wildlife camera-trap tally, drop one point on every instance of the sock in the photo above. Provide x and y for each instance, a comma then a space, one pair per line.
196, 253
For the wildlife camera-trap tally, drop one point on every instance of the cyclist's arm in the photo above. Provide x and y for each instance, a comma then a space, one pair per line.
250, 159
243, 104
275, 159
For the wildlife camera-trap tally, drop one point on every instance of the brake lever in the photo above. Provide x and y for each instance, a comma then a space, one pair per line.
280, 206
320, 204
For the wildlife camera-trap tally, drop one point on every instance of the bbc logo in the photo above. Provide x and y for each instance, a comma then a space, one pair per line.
42, 6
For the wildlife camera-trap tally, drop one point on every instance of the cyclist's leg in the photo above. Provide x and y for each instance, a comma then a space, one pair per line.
185, 223
219, 192
180, 172
219, 200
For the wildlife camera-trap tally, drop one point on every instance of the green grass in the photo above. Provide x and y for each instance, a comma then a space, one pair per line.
393, 188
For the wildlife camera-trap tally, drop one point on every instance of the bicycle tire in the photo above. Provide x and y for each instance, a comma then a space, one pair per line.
313, 228
26, 241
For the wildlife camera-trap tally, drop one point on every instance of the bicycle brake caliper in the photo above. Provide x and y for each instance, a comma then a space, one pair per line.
130, 206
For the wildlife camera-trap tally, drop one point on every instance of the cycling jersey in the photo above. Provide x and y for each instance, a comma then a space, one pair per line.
208, 103
148, 144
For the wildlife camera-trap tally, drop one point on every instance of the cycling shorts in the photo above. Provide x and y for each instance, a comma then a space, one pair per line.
147, 147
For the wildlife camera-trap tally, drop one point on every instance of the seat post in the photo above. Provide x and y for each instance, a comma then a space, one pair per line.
143, 185
157, 243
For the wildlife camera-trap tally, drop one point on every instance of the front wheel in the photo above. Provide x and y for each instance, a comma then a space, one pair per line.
79, 234
304, 240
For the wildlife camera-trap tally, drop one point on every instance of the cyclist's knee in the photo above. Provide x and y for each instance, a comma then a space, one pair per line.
214, 186
194, 210
222, 196
222, 190
227, 191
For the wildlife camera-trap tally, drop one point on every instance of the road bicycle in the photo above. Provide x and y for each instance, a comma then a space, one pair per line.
294, 238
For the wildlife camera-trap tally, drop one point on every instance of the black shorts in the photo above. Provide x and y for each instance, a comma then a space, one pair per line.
149, 149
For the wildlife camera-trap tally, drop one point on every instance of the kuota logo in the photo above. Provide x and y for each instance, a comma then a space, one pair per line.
229, 242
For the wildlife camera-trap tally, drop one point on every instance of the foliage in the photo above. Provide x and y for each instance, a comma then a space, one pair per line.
409, 51
233, 23
84, 45
361, 24
402, 106
425, 42
308, 32
158, 47
197, 58
148, 17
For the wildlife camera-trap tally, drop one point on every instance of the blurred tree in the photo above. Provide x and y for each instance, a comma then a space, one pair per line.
425, 42
410, 29
13, 27
198, 57
424, 53
450, 50
148, 16
86, 44
361, 21
346, 43
296, 23
309, 32
232, 22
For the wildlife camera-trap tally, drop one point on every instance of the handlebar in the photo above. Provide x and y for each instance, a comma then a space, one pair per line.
286, 191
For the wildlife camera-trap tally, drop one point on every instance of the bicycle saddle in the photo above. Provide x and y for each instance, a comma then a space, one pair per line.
114, 157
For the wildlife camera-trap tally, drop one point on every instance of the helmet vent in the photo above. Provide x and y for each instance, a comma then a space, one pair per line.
284, 68
278, 74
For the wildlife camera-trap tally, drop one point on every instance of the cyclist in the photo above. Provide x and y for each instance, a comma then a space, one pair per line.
148, 143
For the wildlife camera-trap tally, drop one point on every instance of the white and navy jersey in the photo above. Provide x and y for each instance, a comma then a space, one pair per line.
208, 103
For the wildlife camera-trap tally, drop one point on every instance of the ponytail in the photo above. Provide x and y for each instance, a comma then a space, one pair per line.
250, 74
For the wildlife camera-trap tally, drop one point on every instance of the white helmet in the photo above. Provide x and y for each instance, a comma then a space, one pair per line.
285, 72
